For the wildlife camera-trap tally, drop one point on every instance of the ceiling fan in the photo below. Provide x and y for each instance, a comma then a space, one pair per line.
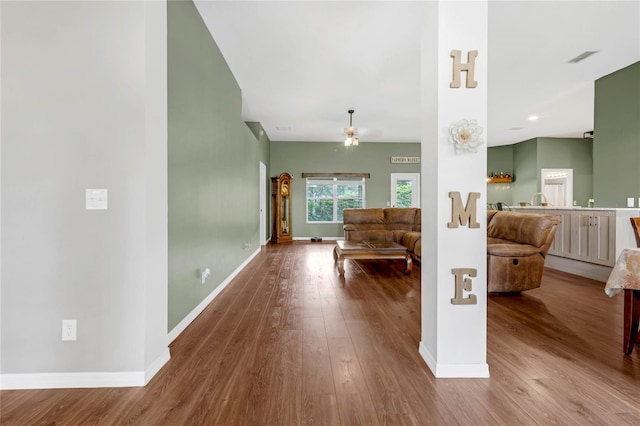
352, 139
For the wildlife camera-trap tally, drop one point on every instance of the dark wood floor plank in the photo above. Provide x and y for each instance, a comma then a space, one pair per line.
290, 342
317, 376
355, 404
321, 410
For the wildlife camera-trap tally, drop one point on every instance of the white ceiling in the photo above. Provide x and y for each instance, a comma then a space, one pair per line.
302, 64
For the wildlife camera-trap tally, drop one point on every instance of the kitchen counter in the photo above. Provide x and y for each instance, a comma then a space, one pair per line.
588, 239
630, 209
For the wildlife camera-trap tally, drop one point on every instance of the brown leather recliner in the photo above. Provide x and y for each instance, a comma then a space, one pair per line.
517, 244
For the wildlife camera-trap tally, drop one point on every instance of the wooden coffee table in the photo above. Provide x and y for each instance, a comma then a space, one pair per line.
370, 250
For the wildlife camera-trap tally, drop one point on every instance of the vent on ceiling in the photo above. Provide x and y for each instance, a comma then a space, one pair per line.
583, 56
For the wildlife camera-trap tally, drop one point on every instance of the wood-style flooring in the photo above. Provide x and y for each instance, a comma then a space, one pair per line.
289, 342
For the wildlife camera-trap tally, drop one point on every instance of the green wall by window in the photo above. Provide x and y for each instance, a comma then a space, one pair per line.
329, 157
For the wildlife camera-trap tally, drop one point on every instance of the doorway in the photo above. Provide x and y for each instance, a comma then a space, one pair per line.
263, 203
557, 187
405, 189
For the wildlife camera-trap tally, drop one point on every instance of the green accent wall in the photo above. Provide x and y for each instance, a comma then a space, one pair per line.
531, 156
526, 171
616, 146
569, 153
500, 159
320, 157
213, 161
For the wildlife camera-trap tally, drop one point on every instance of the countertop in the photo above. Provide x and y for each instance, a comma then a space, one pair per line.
630, 209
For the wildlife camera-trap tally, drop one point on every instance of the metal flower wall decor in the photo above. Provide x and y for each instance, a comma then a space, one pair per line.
465, 135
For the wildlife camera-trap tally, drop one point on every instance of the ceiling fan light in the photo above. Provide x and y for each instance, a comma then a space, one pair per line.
352, 139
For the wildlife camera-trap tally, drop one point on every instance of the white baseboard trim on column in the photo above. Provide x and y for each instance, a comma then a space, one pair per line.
444, 371
182, 325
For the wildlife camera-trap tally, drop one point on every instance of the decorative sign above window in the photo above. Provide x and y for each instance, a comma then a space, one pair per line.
405, 160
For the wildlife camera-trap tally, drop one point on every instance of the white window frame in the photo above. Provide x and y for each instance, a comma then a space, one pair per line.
335, 181
415, 190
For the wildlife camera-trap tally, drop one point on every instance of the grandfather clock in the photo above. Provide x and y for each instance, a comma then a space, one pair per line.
281, 208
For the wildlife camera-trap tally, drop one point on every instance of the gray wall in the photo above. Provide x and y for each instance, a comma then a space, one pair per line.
317, 157
213, 165
81, 111
616, 146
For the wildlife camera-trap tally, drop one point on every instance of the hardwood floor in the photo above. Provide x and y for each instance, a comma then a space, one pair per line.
288, 342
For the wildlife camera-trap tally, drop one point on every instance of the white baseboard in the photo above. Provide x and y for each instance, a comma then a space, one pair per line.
113, 379
72, 380
576, 267
175, 332
156, 365
83, 380
444, 371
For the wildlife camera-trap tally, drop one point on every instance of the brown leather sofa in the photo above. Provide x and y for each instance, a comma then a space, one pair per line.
400, 225
517, 244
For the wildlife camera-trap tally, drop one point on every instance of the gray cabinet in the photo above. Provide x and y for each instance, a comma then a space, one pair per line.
594, 237
586, 235
562, 243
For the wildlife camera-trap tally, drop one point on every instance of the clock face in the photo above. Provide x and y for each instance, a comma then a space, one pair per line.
284, 190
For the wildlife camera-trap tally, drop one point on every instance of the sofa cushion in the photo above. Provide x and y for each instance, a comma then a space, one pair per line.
417, 223
417, 250
409, 240
523, 228
364, 219
400, 218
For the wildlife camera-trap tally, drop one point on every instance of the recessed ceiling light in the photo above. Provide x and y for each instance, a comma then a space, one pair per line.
533, 118
583, 56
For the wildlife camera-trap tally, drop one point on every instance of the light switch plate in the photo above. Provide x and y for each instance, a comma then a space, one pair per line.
630, 202
96, 199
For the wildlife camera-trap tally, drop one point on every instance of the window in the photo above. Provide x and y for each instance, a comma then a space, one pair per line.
327, 197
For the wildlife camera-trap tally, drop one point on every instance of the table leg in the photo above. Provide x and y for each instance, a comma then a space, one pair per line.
409, 264
341, 265
631, 319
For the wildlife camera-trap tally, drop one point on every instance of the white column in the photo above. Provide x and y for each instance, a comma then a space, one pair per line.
453, 341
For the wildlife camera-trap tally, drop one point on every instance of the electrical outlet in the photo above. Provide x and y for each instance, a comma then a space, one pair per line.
69, 329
